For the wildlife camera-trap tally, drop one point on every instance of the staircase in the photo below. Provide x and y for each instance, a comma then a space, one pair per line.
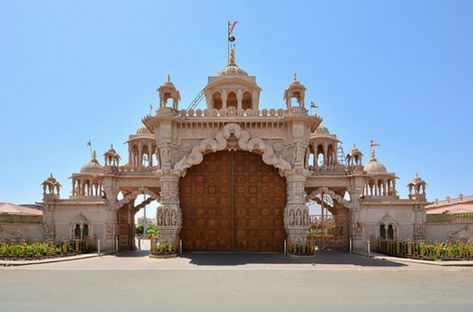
197, 100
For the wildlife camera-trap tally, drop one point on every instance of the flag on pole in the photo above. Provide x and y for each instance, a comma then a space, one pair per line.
373, 143
231, 26
89, 144
313, 105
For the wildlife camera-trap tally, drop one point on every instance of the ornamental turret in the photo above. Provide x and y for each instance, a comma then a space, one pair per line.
380, 182
51, 187
417, 188
168, 92
296, 91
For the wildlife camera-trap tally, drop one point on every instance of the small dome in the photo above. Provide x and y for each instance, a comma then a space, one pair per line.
111, 150
92, 166
374, 166
417, 180
355, 151
143, 130
322, 130
232, 70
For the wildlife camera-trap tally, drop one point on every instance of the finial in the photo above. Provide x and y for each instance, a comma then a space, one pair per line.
232, 56
169, 78
94, 155
354, 146
373, 154
111, 146
295, 76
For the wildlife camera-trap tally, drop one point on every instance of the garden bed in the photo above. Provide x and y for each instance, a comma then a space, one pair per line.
21, 251
436, 251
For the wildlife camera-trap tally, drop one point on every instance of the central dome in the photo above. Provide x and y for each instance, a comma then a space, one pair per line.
232, 70
92, 166
374, 166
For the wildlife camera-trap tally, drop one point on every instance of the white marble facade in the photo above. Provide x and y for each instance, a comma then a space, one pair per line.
292, 140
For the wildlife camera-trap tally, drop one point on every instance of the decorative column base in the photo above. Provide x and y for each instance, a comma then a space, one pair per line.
296, 214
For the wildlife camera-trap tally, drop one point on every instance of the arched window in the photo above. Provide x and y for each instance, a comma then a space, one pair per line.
217, 100
232, 100
382, 231
247, 102
390, 232
85, 231
77, 231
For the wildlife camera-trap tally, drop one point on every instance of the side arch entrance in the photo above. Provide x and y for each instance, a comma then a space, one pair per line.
233, 201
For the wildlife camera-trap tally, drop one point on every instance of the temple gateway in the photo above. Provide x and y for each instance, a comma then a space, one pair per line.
234, 177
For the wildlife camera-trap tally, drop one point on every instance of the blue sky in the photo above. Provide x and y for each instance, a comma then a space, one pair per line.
399, 72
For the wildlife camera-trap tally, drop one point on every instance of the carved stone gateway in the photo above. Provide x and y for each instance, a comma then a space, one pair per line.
231, 176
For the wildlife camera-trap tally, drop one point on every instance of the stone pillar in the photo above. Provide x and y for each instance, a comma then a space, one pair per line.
169, 216
239, 99
224, 99
296, 214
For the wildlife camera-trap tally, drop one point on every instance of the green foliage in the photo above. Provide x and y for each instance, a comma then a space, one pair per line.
37, 250
427, 251
163, 248
151, 230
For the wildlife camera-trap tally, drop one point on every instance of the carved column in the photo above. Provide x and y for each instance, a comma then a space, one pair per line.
239, 99
296, 214
169, 216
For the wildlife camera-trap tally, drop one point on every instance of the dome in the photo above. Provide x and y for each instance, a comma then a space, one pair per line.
92, 166
143, 130
417, 180
355, 151
232, 70
374, 166
322, 130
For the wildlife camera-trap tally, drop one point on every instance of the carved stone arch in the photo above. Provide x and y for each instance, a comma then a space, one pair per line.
219, 143
132, 196
325, 190
388, 219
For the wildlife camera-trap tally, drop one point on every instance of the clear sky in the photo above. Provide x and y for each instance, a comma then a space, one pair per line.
399, 72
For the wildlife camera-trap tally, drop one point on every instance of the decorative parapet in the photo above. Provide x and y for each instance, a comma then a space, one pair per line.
231, 112
450, 217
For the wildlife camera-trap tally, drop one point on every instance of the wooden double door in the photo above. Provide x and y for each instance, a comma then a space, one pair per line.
233, 201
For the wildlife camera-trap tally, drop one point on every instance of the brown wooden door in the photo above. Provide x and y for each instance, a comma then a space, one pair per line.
124, 228
232, 201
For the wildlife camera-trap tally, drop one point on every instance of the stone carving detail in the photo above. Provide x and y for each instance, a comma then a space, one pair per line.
245, 142
419, 230
167, 217
324, 190
132, 196
48, 229
358, 229
298, 217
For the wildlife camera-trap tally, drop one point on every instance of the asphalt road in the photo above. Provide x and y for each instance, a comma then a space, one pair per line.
235, 282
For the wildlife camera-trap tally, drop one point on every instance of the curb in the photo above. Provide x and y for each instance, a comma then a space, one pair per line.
437, 263
7, 263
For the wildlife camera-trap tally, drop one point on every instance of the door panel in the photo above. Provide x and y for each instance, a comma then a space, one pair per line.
233, 201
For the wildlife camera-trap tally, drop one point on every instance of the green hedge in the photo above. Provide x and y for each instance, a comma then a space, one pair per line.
426, 251
41, 250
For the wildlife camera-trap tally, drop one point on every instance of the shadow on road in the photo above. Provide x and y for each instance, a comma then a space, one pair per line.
241, 258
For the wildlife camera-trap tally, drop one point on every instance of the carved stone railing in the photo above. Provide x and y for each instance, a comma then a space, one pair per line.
132, 169
328, 168
231, 112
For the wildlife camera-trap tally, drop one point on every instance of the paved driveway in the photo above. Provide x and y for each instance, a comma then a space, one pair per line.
235, 282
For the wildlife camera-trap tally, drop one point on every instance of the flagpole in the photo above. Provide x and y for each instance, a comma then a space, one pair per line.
228, 41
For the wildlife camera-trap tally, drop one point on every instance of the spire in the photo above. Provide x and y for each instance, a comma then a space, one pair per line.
169, 77
295, 76
94, 155
231, 59
373, 154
